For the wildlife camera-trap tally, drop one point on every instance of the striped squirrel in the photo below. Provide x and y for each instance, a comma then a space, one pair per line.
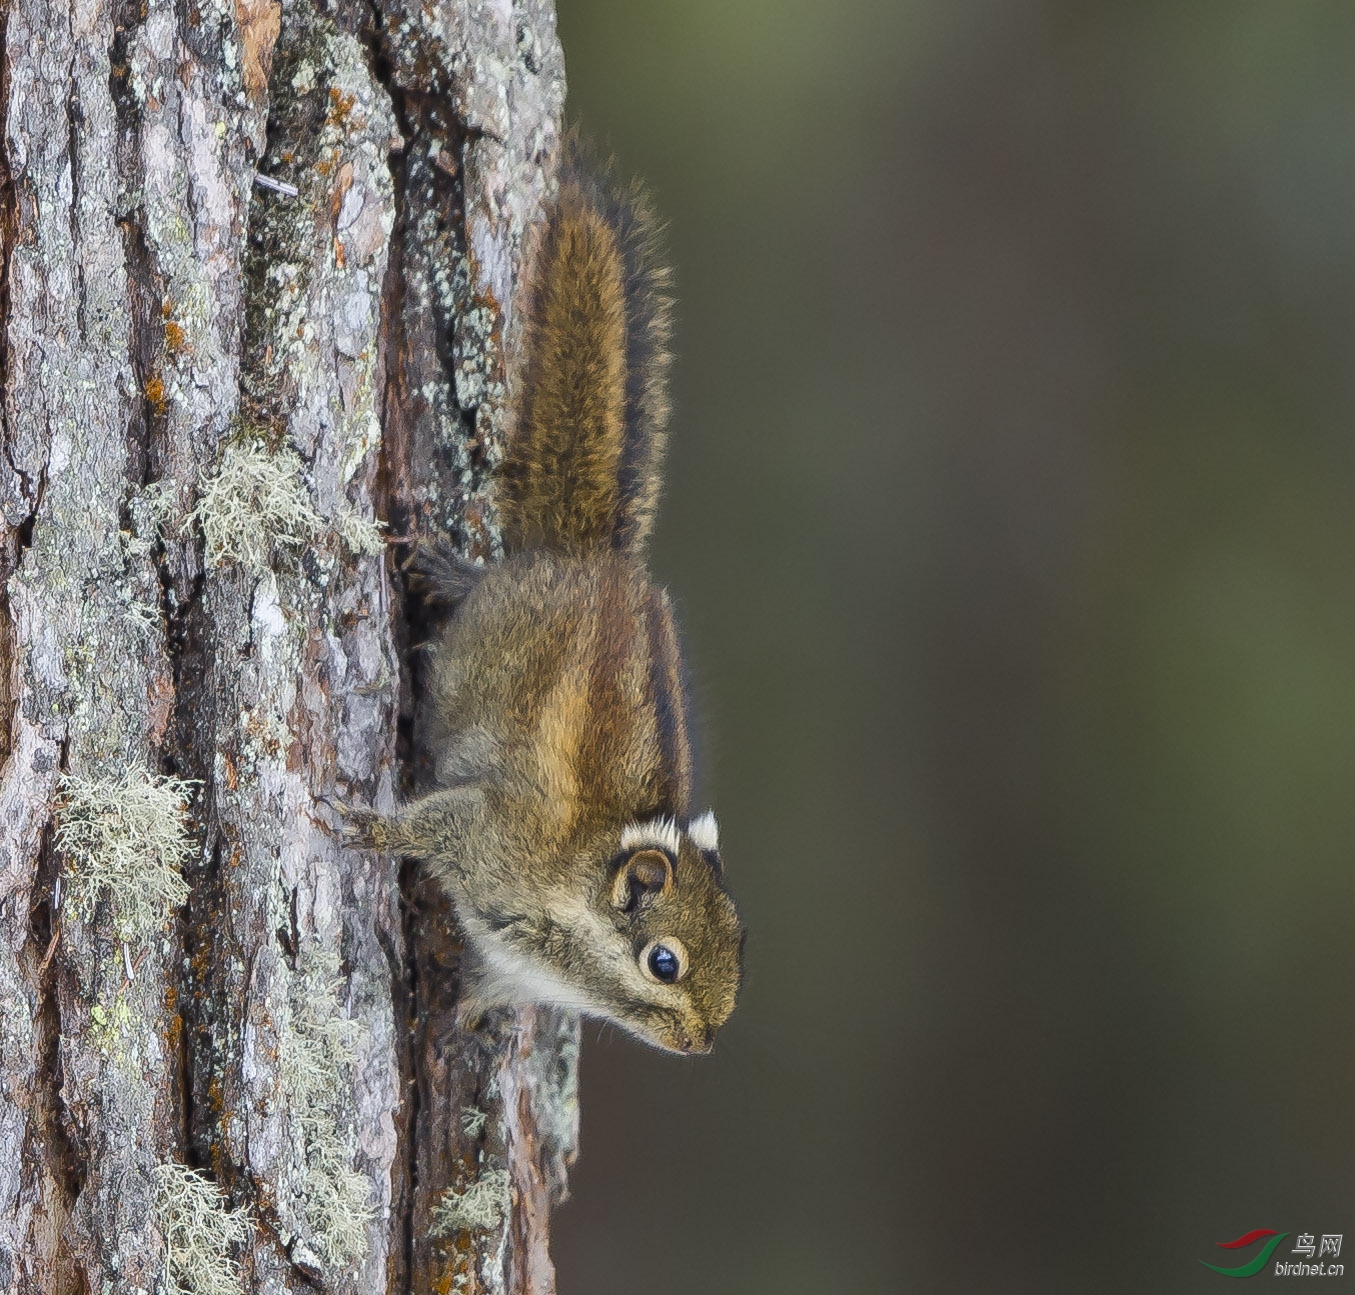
562, 827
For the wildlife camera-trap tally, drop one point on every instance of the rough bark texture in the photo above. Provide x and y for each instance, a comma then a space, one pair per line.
333, 351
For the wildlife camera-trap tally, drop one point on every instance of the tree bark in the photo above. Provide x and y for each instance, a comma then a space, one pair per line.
257, 292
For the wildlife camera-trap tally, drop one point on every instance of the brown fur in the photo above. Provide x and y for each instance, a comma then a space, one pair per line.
558, 721
583, 467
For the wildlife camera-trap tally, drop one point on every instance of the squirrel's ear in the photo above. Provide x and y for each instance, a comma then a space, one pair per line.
642, 876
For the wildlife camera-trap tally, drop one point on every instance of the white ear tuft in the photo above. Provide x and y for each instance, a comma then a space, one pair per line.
704, 832
661, 832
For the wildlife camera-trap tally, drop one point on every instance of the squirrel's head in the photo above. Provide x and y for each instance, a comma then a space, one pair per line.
651, 941
679, 951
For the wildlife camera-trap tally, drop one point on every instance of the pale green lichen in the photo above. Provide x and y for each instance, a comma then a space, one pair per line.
473, 1121
360, 534
199, 1229
126, 838
255, 503
480, 1206
336, 1203
318, 1043
109, 1025
252, 504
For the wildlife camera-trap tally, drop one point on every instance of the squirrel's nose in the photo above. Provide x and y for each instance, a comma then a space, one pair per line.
699, 1042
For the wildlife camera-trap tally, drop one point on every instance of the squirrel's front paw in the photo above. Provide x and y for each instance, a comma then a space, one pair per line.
440, 574
361, 829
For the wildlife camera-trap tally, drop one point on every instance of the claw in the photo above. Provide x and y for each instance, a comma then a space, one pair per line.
361, 829
442, 576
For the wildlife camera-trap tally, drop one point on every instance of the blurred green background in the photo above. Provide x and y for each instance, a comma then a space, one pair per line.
1011, 524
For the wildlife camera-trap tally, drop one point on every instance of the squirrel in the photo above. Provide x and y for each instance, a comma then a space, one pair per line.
562, 827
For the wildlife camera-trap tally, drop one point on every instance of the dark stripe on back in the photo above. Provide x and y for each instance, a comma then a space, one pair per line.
670, 706
611, 719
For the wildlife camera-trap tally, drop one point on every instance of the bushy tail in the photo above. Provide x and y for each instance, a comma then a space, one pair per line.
583, 465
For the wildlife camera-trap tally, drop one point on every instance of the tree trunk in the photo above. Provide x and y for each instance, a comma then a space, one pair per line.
258, 284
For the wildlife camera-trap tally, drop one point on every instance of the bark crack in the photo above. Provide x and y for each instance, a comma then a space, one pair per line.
75, 120
54, 1142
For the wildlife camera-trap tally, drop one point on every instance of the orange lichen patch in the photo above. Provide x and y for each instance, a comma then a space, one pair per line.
155, 395
260, 22
174, 1033
174, 1028
444, 1282
340, 105
455, 1271
175, 338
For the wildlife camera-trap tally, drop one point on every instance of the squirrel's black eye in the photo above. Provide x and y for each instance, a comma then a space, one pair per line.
663, 962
